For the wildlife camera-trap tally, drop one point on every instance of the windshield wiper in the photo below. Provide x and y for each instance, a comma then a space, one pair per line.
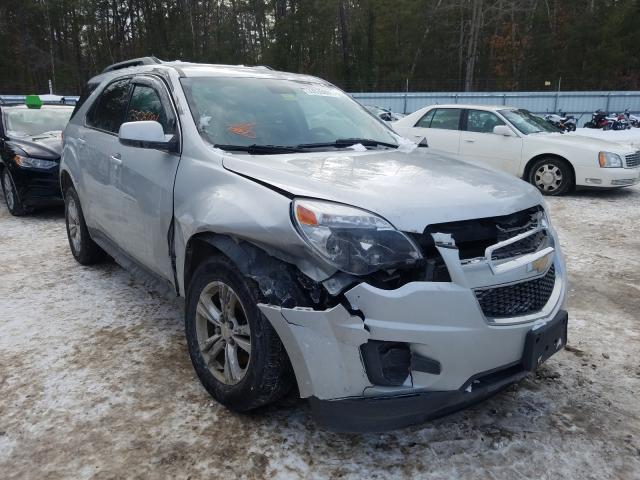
348, 142
258, 149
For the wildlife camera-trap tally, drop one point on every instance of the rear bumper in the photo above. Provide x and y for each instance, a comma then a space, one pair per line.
373, 414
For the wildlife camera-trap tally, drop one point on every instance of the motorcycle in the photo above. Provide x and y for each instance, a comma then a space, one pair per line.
566, 123
619, 121
634, 120
600, 119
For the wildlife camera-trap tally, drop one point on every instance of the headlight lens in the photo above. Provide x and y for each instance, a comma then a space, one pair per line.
609, 160
28, 162
354, 241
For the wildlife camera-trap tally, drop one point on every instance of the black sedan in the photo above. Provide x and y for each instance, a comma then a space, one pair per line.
30, 148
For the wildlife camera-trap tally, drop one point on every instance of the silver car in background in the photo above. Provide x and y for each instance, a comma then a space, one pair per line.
315, 248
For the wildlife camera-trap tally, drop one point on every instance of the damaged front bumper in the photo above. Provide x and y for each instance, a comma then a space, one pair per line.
453, 353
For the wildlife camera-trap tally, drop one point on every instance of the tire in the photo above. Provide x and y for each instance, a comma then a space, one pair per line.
11, 199
83, 248
260, 377
589, 125
559, 180
571, 127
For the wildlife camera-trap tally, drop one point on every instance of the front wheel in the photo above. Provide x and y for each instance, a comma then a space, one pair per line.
552, 176
235, 351
11, 197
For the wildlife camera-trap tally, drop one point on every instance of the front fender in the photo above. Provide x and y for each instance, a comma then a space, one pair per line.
211, 199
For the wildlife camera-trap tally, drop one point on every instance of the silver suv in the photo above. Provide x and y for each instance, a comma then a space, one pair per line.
314, 247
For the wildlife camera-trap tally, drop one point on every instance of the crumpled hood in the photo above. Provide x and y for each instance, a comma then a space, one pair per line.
410, 190
580, 141
46, 145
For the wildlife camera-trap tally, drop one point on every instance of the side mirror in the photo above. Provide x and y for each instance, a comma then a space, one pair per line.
503, 130
146, 134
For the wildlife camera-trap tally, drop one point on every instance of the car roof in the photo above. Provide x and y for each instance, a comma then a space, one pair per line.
188, 69
472, 106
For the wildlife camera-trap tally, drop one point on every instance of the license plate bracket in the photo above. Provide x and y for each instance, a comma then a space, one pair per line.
542, 342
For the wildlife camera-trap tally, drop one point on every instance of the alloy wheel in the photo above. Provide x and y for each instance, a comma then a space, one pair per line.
73, 224
548, 178
223, 332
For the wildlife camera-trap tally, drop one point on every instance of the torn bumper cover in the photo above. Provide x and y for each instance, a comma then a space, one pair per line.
452, 352
380, 413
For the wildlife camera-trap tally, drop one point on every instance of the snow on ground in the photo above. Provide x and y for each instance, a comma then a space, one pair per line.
95, 379
627, 137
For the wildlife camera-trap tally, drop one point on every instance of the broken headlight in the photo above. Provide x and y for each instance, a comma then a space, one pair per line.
354, 241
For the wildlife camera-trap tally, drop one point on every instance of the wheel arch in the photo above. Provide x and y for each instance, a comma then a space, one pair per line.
65, 181
279, 282
529, 165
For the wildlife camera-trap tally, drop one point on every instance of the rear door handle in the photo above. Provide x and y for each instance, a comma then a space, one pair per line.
470, 141
116, 158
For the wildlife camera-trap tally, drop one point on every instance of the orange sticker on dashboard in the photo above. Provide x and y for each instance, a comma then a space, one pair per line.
244, 129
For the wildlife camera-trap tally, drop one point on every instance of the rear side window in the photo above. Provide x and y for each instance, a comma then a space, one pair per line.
145, 104
446, 119
482, 122
108, 112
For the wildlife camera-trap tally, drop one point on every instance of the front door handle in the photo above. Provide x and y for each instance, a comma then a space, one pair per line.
470, 141
116, 158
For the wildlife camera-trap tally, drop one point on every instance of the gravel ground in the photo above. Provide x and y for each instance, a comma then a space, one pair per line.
95, 380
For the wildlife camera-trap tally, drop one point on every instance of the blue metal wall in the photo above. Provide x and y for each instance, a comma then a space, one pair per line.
577, 103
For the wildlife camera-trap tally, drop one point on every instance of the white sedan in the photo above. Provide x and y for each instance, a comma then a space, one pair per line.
518, 142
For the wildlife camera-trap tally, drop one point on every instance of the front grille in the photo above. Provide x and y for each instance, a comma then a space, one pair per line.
518, 299
527, 245
633, 159
472, 237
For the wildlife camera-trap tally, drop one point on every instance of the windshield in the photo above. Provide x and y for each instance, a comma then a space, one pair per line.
263, 111
527, 123
30, 122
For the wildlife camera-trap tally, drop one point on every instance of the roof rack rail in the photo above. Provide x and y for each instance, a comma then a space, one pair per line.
135, 62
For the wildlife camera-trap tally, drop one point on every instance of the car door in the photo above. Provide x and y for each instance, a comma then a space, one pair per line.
441, 128
95, 140
143, 179
478, 143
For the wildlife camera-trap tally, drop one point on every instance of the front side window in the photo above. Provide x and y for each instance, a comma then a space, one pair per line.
526, 122
264, 111
108, 112
23, 122
482, 122
446, 119
145, 104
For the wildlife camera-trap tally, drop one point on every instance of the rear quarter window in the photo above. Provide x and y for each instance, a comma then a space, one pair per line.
109, 109
86, 93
